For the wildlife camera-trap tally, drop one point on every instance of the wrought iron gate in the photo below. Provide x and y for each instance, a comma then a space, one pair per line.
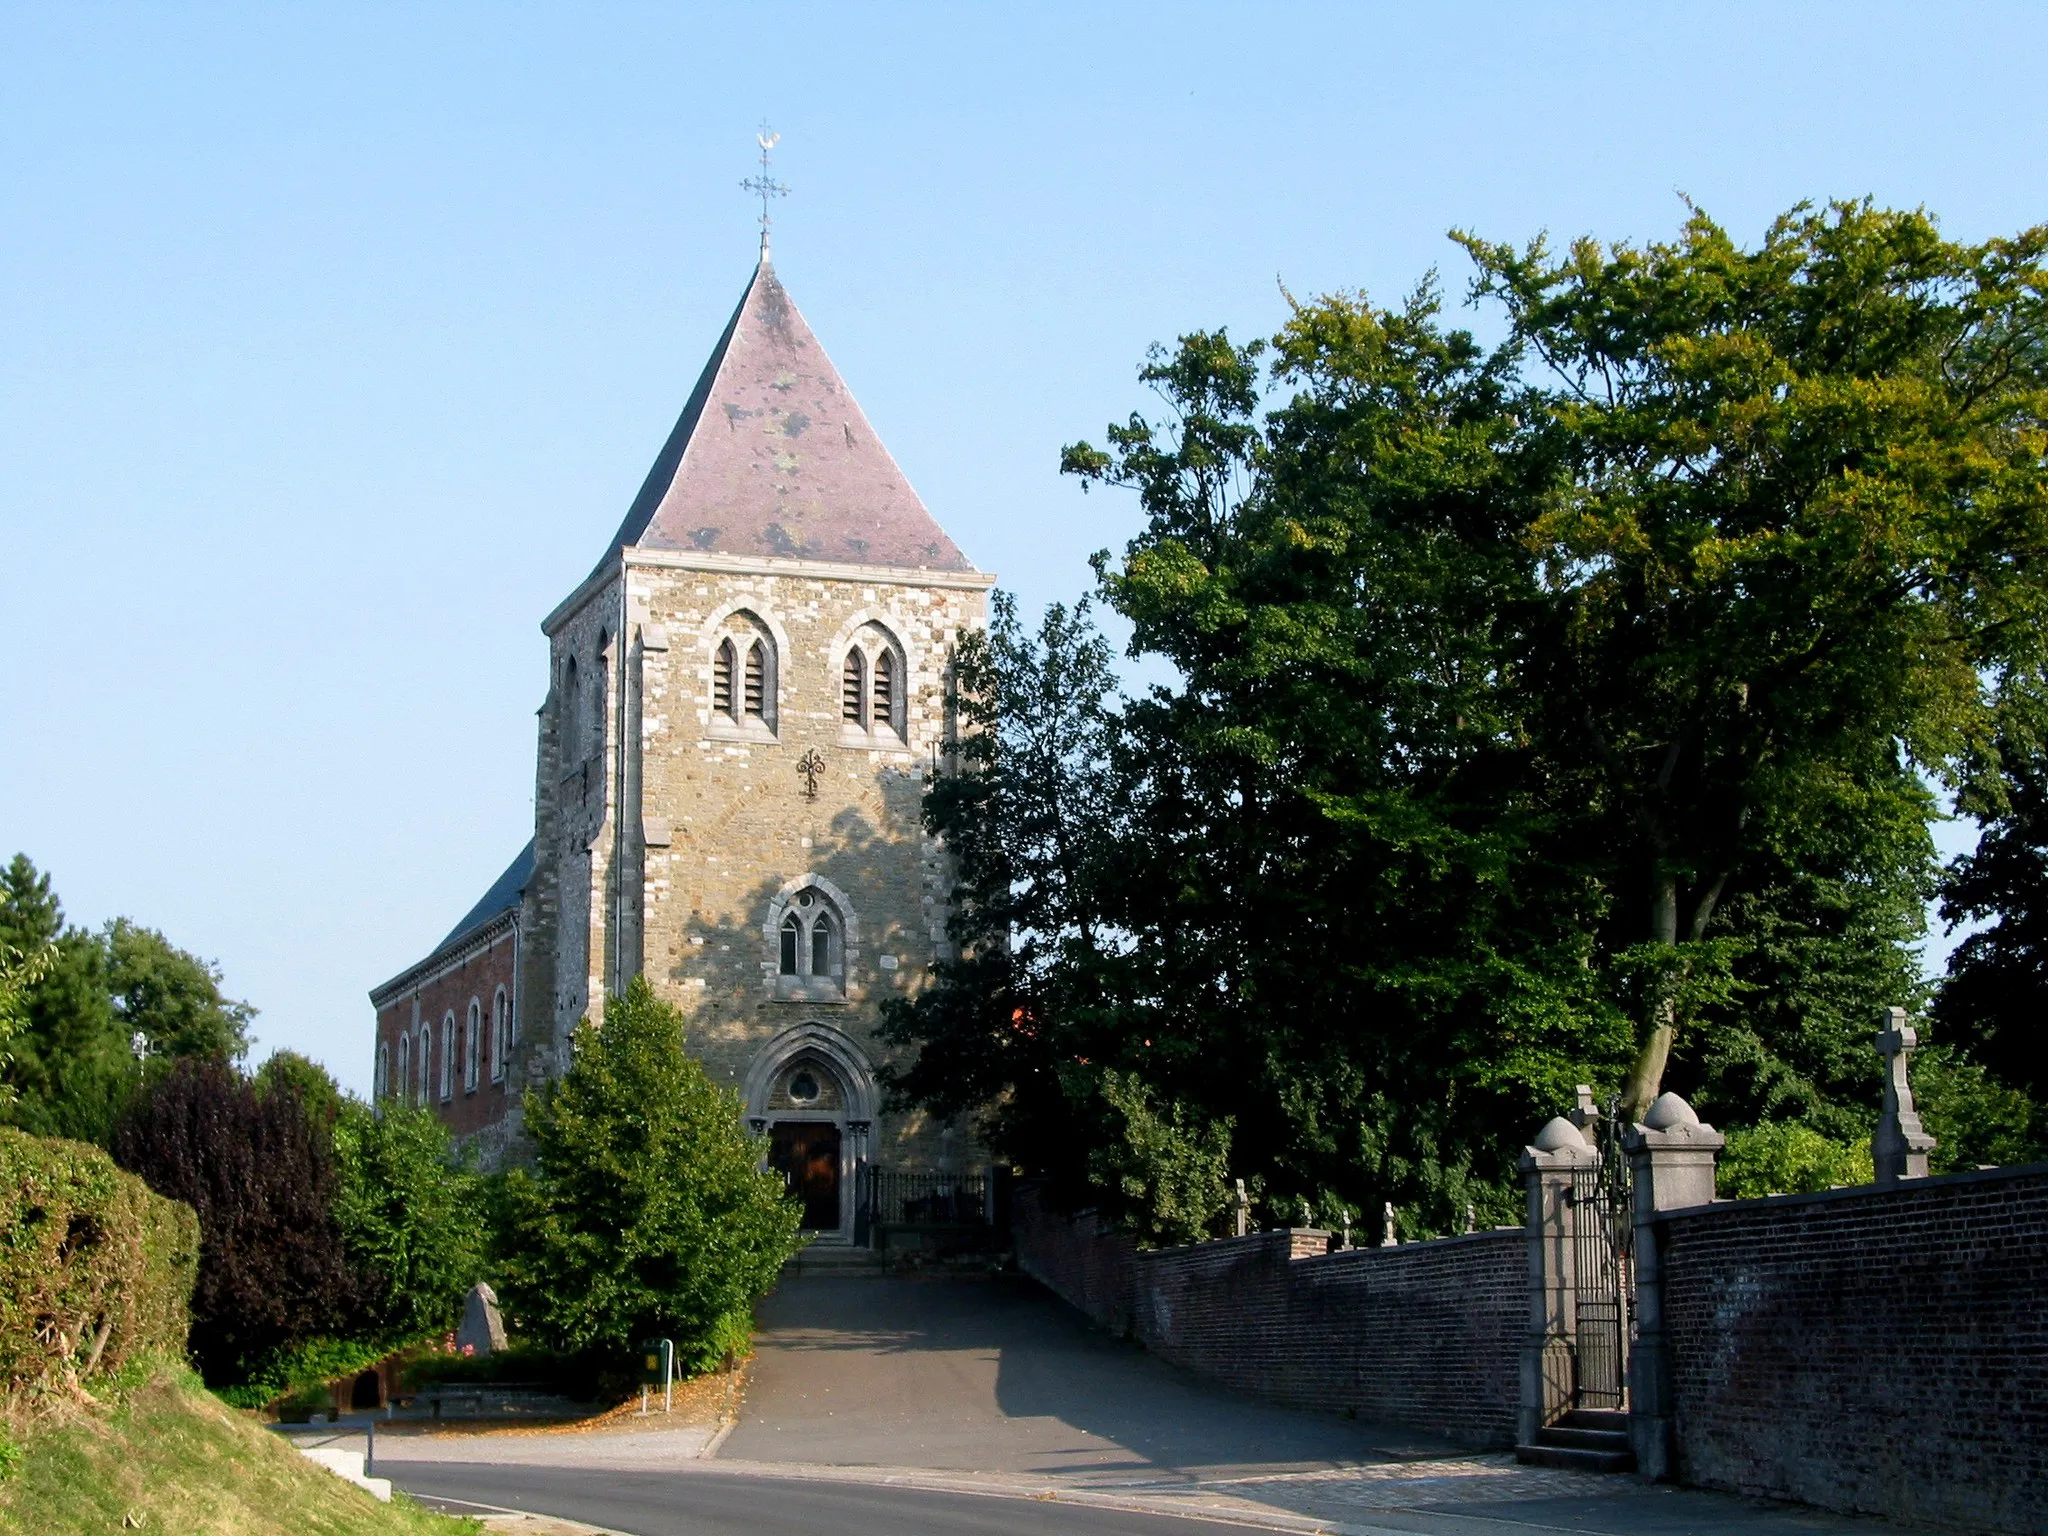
1603, 1271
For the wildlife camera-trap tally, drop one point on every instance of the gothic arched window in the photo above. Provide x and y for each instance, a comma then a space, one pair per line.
426, 1065
447, 1057
743, 677
723, 665
873, 689
853, 689
402, 1083
380, 1088
811, 944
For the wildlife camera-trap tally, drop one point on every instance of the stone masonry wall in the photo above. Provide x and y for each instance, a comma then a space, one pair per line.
1872, 1350
1422, 1335
742, 832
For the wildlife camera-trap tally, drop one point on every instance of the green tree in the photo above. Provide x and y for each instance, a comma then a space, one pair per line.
646, 1212
170, 998
412, 1217
1163, 1171
1029, 813
1357, 921
1791, 542
315, 1087
1994, 999
70, 1064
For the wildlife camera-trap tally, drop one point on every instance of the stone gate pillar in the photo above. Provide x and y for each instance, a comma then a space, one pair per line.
1671, 1157
1559, 1151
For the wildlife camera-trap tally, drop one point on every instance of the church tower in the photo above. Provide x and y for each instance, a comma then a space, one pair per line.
746, 698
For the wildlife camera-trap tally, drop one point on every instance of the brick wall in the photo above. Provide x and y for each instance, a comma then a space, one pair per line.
472, 974
1880, 1351
1423, 1335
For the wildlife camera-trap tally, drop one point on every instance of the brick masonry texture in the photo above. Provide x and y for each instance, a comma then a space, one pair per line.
1423, 1335
473, 975
1876, 1351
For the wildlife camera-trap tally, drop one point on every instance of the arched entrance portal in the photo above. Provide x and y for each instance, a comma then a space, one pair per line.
811, 1091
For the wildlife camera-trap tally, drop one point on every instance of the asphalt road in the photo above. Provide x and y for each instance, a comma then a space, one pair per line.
672, 1504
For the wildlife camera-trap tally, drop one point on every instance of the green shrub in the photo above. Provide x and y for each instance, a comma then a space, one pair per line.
1786, 1158
95, 1270
647, 1213
307, 1366
411, 1216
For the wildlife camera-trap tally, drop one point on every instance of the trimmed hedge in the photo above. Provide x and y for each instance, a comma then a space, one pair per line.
95, 1269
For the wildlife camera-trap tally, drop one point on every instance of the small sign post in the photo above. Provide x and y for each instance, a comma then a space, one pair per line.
658, 1369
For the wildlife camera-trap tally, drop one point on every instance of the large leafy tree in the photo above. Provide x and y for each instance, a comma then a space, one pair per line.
1021, 1013
273, 1269
1562, 711
646, 1212
1792, 544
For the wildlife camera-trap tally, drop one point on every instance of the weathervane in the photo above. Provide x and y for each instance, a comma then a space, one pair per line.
765, 185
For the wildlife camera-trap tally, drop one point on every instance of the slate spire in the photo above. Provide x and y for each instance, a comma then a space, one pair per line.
773, 457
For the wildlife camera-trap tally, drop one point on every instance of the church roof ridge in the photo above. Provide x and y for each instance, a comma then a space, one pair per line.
797, 471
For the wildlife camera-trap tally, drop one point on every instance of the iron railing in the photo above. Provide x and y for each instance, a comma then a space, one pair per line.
897, 1197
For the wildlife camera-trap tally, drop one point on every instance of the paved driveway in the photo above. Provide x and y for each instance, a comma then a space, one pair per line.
905, 1404
999, 1376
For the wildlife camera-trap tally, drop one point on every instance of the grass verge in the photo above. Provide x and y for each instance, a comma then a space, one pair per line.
169, 1457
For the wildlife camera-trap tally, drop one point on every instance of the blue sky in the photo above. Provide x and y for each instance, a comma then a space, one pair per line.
335, 340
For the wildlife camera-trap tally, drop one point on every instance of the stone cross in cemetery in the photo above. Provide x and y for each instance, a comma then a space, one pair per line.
1899, 1148
482, 1329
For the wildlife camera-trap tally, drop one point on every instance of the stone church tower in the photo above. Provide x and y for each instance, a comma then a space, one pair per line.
745, 699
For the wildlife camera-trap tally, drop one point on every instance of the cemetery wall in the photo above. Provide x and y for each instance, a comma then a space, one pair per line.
1422, 1335
1872, 1350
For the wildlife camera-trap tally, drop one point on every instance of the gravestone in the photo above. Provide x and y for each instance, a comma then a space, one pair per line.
482, 1329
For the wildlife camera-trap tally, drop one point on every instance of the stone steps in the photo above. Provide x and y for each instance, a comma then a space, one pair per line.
1584, 1440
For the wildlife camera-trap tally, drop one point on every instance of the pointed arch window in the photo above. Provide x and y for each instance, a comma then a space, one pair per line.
757, 680
874, 689
401, 1085
723, 665
853, 689
381, 1087
426, 1089
811, 945
447, 1057
743, 670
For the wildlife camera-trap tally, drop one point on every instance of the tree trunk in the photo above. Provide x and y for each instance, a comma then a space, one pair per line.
1646, 1078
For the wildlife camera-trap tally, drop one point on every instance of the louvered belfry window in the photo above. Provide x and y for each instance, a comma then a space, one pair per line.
852, 687
757, 678
721, 679
885, 691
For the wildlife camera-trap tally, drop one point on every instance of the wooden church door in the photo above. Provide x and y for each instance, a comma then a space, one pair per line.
807, 1155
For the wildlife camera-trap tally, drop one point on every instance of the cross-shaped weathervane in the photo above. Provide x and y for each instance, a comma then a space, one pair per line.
765, 185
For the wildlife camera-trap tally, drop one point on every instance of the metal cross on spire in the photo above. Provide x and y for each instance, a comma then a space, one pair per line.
765, 185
